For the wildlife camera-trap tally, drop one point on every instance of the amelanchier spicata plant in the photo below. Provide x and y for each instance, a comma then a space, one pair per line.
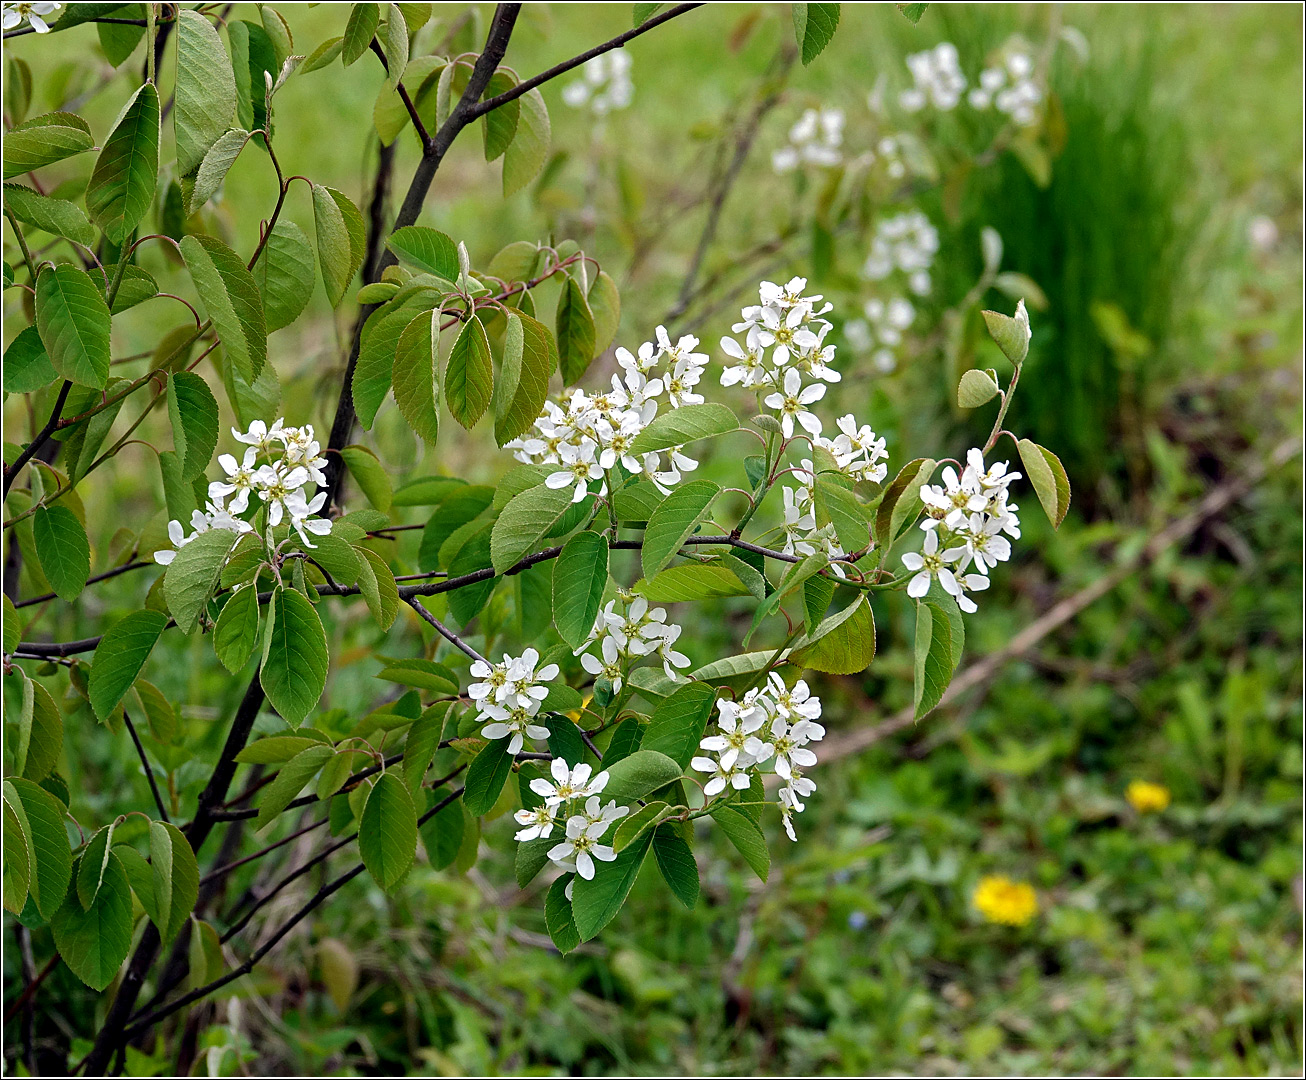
594, 731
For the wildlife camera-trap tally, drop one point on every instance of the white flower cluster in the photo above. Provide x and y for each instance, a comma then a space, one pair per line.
604, 84
14, 14
279, 464
906, 242
965, 519
1010, 88
814, 140
937, 79
771, 723
622, 638
784, 340
572, 798
588, 434
888, 152
509, 695
881, 330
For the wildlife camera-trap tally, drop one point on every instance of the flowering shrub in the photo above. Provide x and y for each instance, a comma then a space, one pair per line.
614, 742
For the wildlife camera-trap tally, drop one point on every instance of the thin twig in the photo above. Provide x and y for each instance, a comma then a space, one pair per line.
443, 630
89, 581
30, 450
145, 763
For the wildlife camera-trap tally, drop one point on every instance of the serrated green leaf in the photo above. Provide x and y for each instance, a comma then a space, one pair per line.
121, 189
193, 413
73, 322
678, 722
40, 733
205, 100
359, 30
370, 475
415, 376
26, 366
529, 359
394, 43
499, 126
469, 374
642, 772
675, 519
295, 659
235, 634
92, 864
43, 140
525, 521
50, 868
443, 832
691, 581
976, 387
378, 346
675, 860
529, 149
902, 500
684, 425
575, 332
426, 250
16, 862
62, 550
284, 274
486, 776
176, 879
605, 305
387, 831
58, 217
231, 299
814, 27
595, 903
341, 240
290, 781
743, 832
191, 577
579, 577
119, 657
842, 644
1048, 476
933, 656
558, 917
94, 942
213, 168
635, 825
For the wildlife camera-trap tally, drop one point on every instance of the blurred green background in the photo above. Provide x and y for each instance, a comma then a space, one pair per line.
1167, 236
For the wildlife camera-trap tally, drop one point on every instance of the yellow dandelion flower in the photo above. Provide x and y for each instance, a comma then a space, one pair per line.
1146, 797
1001, 900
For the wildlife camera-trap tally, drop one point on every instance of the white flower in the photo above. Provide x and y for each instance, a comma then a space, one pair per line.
970, 583
983, 544
517, 722
937, 79
815, 140
260, 436
240, 480
32, 12
932, 563
608, 668
569, 782
494, 677
538, 822
275, 487
735, 776
579, 467
737, 745
523, 683
955, 501
792, 404
581, 847
301, 510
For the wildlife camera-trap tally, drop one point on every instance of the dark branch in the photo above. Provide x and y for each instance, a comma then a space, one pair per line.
443, 630
89, 581
29, 451
145, 763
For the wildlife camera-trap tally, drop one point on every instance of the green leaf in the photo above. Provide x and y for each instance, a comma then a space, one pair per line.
486, 776
741, 665
579, 577
1048, 476
902, 500
525, 521
323, 56
119, 657
359, 30
121, 190
284, 274
193, 412
370, 474
295, 659
637, 824
290, 781
231, 299
976, 387
50, 869
415, 375
176, 879
275, 749
814, 26
58, 217
62, 550
742, 831
26, 366
341, 240
529, 149
818, 591
376, 581
73, 322
236, 632
499, 126
1011, 334
469, 554
428, 251
158, 712
575, 332
516, 261
136, 287
43, 140
192, 575
676, 861
529, 359
469, 374
674, 521
205, 98
677, 724
595, 903
421, 745
213, 169
691, 581
852, 520
913, 12
683, 425
459, 507
644, 12
118, 41
420, 674
642, 772
933, 662
394, 43
843, 644
605, 305
40, 733
92, 864
387, 832
17, 859
943, 600
532, 856
442, 833
378, 347
558, 918
94, 942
